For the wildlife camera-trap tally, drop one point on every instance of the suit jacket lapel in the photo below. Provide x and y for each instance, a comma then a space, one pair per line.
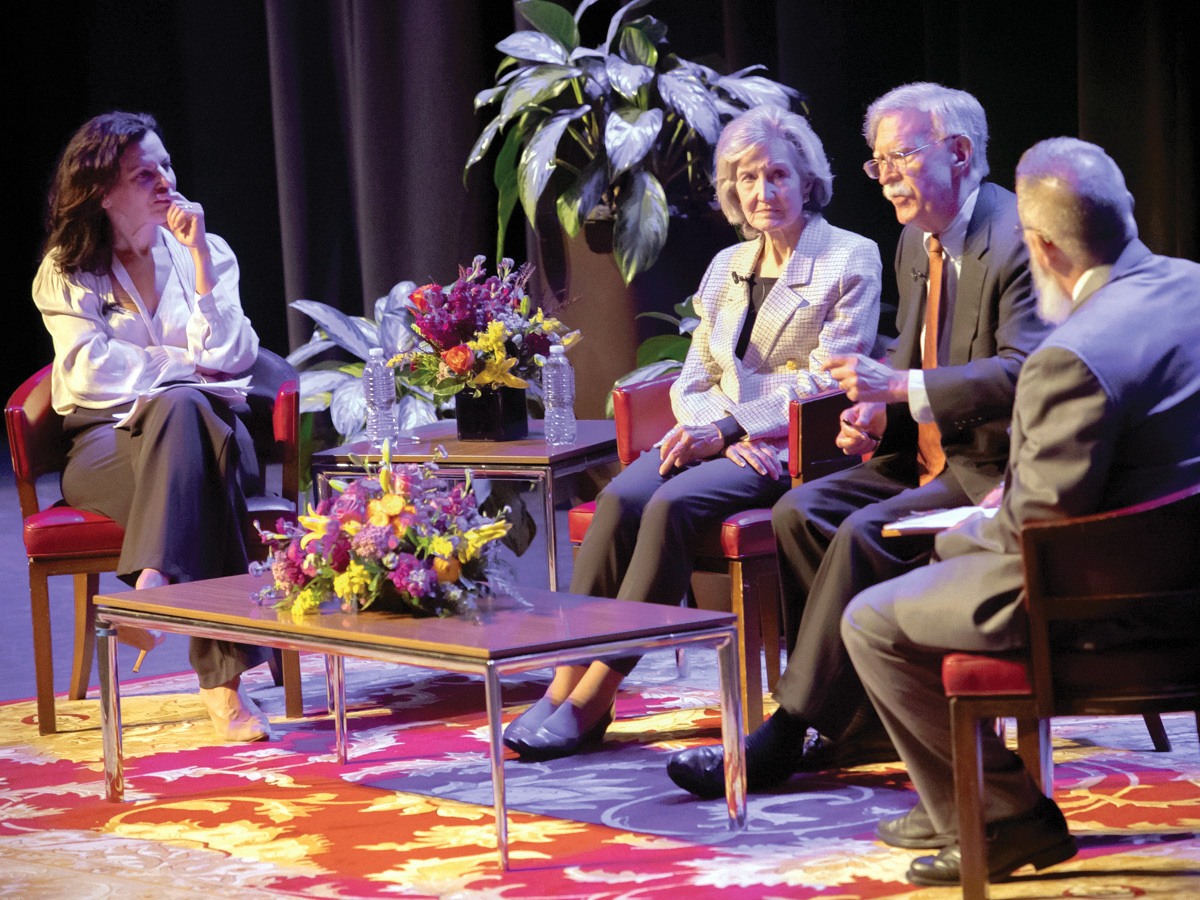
730, 310
788, 294
971, 276
913, 282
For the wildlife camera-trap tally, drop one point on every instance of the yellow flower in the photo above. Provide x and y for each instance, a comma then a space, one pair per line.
500, 373
354, 582
307, 601
491, 340
476, 538
317, 526
351, 528
441, 546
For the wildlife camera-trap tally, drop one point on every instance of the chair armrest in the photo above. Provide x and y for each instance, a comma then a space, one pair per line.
813, 427
643, 415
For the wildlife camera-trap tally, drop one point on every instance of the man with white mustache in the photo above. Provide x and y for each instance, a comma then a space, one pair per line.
934, 417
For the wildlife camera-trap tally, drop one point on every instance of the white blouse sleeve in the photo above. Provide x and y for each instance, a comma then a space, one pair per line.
220, 338
92, 367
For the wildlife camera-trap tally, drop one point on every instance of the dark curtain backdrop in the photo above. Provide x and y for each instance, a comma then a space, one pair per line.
326, 139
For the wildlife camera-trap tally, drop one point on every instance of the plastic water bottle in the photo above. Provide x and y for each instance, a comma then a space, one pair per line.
379, 386
558, 381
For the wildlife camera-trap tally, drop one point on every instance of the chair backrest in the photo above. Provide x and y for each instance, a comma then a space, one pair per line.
1114, 566
37, 448
643, 414
34, 437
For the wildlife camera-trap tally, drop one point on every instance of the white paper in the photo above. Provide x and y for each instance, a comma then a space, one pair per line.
233, 389
938, 519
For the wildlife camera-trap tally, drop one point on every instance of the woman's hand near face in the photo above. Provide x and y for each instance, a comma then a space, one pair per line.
185, 220
687, 443
761, 457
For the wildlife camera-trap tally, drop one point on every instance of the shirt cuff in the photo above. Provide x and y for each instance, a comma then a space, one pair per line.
918, 397
730, 430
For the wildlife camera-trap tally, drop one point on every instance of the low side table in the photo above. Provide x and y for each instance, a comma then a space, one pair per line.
542, 629
529, 459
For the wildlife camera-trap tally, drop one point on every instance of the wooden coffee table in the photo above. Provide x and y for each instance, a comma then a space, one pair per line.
541, 629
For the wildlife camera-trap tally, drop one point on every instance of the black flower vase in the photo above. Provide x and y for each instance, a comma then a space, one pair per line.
496, 414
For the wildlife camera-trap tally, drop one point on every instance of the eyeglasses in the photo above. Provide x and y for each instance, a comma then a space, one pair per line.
897, 160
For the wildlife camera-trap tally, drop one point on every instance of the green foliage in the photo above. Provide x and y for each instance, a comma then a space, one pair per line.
624, 131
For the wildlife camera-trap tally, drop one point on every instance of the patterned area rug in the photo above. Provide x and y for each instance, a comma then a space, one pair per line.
410, 815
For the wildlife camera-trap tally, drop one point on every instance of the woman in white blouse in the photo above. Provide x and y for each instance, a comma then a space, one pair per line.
137, 295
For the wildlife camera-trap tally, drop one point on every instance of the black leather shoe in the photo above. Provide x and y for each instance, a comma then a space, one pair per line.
528, 722
772, 756
823, 754
913, 831
1039, 838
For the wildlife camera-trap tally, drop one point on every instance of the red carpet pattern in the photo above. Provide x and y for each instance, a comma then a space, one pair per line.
410, 815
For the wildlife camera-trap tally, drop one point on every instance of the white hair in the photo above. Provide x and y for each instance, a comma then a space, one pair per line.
756, 128
952, 112
1072, 193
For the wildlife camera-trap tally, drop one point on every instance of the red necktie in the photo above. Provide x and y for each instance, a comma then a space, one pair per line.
930, 456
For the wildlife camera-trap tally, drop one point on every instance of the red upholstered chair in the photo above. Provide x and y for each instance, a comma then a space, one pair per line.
743, 548
62, 540
1103, 566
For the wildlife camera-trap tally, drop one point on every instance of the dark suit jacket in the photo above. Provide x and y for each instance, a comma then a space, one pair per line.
1107, 415
994, 326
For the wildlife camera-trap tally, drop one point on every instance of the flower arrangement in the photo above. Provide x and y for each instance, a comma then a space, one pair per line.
401, 539
478, 333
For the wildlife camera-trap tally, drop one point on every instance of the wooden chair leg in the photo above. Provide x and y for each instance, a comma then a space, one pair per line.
43, 655
1158, 734
745, 603
87, 585
765, 577
293, 690
1035, 748
965, 734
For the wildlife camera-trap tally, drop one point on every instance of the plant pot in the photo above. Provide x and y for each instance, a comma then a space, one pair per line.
494, 415
576, 280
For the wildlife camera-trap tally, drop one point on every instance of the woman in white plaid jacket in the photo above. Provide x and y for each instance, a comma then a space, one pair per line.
772, 310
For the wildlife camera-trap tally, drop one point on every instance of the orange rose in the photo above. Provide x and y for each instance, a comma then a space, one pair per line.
460, 359
418, 297
447, 570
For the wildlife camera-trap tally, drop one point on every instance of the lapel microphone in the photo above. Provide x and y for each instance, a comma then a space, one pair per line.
748, 278
918, 276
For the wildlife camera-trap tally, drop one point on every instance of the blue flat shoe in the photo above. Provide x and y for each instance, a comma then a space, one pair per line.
529, 721
562, 734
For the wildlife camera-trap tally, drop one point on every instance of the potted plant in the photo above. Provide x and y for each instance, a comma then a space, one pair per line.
623, 131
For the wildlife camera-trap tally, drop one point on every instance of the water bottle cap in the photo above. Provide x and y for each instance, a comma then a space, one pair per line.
558, 350
376, 351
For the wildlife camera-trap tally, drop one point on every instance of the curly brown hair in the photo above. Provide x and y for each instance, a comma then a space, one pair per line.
77, 228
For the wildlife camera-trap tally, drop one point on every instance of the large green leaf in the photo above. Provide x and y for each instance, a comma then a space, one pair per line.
481, 144
537, 85
663, 346
614, 23
754, 90
316, 344
551, 19
636, 47
629, 134
341, 328
687, 96
577, 201
534, 46
626, 77
506, 185
641, 227
538, 158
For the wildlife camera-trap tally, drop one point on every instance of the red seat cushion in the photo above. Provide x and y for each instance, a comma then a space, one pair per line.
65, 531
742, 535
971, 675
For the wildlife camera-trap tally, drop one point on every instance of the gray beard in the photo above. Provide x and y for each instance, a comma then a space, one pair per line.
1053, 303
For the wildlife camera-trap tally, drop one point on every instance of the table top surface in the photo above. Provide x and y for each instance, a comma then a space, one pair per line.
541, 621
592, 436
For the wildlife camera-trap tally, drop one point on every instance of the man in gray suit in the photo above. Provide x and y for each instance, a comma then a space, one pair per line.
935, 418
1107, 414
